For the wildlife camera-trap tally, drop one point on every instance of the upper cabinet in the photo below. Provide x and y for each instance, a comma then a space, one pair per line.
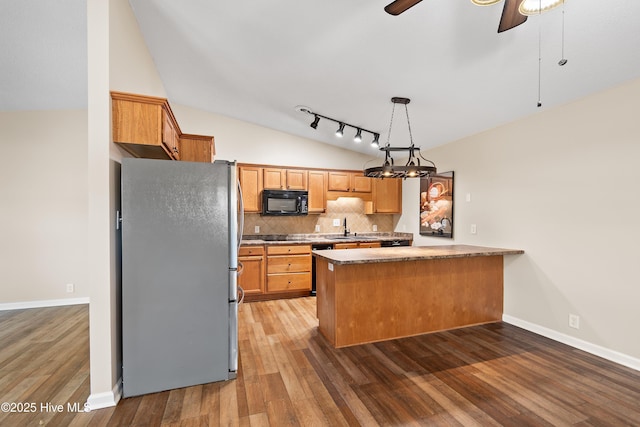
145, 126
317, 202
354, 182
251, 183
387, 196
285, 179
197, 148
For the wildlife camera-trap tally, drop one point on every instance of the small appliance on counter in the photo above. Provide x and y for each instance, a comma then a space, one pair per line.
285, 202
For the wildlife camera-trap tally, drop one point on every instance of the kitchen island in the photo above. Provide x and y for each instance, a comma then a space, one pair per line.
377, 294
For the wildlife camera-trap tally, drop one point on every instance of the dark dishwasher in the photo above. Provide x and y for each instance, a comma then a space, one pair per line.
318, 246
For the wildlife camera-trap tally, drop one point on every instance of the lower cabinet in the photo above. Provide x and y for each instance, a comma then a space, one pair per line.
356, 245
288, 268
275, 271
251, 277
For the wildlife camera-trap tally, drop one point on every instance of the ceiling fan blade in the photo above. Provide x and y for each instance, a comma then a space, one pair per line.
399, 6
511, 17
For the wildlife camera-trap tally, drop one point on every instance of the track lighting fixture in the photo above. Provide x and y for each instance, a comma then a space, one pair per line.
411, 169
341, 126
358, 137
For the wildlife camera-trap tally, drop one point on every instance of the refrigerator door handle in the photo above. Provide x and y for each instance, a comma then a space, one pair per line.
241, 216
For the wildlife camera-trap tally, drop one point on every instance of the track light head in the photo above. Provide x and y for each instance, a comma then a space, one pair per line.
340, 130
358, 137
314, 124
376, 137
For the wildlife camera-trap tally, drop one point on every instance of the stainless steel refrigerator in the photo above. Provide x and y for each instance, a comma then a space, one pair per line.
180, 237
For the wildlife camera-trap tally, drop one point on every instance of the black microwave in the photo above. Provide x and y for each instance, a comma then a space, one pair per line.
285, 202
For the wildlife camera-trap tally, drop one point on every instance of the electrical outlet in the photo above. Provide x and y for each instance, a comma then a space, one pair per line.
375, 227
336, 222
256, 229
574, 321
70, 288
317, 228
474, 229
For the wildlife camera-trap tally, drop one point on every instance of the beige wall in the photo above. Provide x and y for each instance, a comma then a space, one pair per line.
43, 194
562, 186
249, 143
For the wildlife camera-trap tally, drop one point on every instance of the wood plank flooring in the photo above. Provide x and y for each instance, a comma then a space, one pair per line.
490, 375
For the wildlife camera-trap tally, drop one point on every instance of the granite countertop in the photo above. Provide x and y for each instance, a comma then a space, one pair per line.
409, 253
288, 239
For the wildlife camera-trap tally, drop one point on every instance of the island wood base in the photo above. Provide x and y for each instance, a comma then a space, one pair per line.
369, 302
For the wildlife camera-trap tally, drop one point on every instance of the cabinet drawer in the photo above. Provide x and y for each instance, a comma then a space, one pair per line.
288, 282
289, 264
288, 249
251, 250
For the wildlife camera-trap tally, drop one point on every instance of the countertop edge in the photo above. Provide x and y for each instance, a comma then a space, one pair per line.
359, 258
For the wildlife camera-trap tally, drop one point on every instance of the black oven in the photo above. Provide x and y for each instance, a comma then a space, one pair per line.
285, 202
319, 246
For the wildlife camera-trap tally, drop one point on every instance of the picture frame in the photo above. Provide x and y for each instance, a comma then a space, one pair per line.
436, 205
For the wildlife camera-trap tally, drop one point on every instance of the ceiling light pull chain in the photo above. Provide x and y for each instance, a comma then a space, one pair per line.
539, 55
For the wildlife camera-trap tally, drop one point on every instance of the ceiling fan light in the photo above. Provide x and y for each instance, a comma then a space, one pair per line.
534, 7
484, 2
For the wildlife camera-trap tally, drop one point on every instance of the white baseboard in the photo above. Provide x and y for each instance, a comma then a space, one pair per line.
43, 303
107, 398
605, 353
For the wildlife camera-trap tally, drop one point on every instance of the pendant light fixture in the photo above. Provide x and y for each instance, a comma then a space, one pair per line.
412, 168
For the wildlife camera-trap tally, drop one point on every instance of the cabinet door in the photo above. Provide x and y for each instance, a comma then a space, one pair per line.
196, 148
273, 178
317, 191
251, 183
252, 278
360, 183
296, 179
345, 246
339, 181
387, 195
170, 135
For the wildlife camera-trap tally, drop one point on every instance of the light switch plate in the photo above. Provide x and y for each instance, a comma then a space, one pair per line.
474, 229
336, 222
317, 228
256, 229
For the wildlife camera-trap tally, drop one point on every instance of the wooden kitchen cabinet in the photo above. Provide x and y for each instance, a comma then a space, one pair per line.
317, 202
356, 245
387, 197
197, 148
284, 179
354, 182
251, 183
288, 269
144, 126
252, 276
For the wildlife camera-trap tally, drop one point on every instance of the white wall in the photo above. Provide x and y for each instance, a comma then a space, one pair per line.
248, 143
43, 199
562, 186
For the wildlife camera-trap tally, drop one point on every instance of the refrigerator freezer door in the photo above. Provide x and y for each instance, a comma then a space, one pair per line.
175, 274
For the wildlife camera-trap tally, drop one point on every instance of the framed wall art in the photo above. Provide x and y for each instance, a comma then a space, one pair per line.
436, 205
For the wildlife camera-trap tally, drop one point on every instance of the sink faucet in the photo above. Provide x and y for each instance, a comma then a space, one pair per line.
346, 230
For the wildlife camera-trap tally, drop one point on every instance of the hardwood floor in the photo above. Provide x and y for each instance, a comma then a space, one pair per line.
487, 375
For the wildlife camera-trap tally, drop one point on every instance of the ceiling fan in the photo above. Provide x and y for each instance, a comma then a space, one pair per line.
511, 16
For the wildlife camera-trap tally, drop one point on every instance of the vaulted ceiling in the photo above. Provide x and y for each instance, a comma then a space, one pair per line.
257, 60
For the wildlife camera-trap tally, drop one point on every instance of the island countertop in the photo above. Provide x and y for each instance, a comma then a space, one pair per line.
409, 253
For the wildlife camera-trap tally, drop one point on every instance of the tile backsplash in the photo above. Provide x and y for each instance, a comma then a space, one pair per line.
351, 208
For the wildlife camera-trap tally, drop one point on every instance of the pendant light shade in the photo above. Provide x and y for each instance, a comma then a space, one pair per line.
534, 7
